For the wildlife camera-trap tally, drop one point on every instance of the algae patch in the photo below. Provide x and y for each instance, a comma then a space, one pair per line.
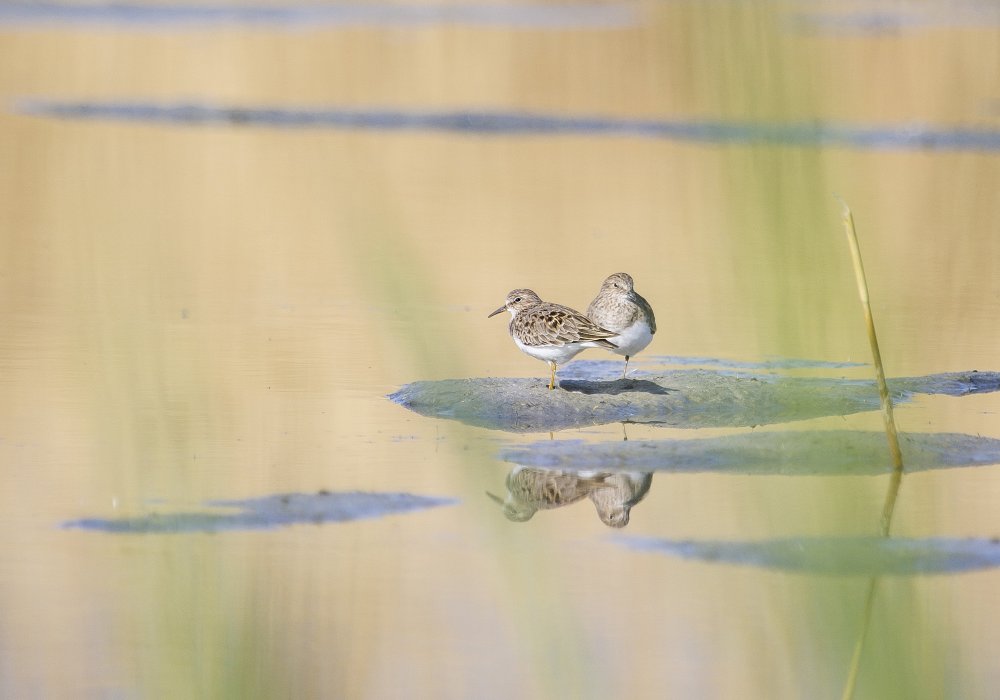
837, 556
793, 453
277, 510
680, 398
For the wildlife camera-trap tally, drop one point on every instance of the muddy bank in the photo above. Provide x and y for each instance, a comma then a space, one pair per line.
679, 398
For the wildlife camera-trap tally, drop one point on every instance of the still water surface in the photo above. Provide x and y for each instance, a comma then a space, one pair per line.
216, 310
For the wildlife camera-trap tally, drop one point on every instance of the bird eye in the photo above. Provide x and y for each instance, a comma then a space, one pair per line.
517, 298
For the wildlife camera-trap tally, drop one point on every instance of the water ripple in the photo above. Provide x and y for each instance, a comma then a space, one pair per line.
267, 512
890, 137
523, 16
837, 556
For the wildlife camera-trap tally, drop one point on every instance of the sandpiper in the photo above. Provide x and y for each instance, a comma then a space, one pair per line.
530, 489
622, 491
619, 308
551, 332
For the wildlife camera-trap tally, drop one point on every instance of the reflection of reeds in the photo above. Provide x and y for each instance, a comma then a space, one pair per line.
890, 431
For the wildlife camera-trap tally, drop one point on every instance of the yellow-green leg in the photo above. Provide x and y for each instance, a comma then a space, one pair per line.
552, 378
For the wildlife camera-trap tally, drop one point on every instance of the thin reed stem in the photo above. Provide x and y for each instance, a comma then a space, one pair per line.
894, 450
859, 644
883, 388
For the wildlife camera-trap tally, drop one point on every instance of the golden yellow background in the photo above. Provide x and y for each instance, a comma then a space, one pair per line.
195, 312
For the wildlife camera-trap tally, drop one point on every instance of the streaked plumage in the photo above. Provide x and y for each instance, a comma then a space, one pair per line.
551, 332
530, 489
619, 308
621, 491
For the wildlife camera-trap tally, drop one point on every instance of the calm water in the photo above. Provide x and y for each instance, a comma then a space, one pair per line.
203, 318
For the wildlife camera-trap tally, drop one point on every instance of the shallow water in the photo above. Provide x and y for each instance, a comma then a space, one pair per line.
207, 491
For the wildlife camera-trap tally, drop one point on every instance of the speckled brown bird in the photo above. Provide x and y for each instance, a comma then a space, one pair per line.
530, 489
621, 491
619, 308
551, 332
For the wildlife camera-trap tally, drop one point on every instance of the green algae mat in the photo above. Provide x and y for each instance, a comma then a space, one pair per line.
688, 398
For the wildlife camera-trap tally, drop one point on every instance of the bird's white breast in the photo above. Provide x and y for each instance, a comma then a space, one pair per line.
632, 339
553, 353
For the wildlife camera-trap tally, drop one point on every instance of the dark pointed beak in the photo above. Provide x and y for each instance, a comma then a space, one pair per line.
498, 311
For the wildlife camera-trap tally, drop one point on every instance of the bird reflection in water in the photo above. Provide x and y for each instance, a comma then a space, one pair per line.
530, 489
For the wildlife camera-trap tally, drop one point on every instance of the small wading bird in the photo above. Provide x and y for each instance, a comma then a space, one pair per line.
530, 489
619, 308
551, 332
625, 489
